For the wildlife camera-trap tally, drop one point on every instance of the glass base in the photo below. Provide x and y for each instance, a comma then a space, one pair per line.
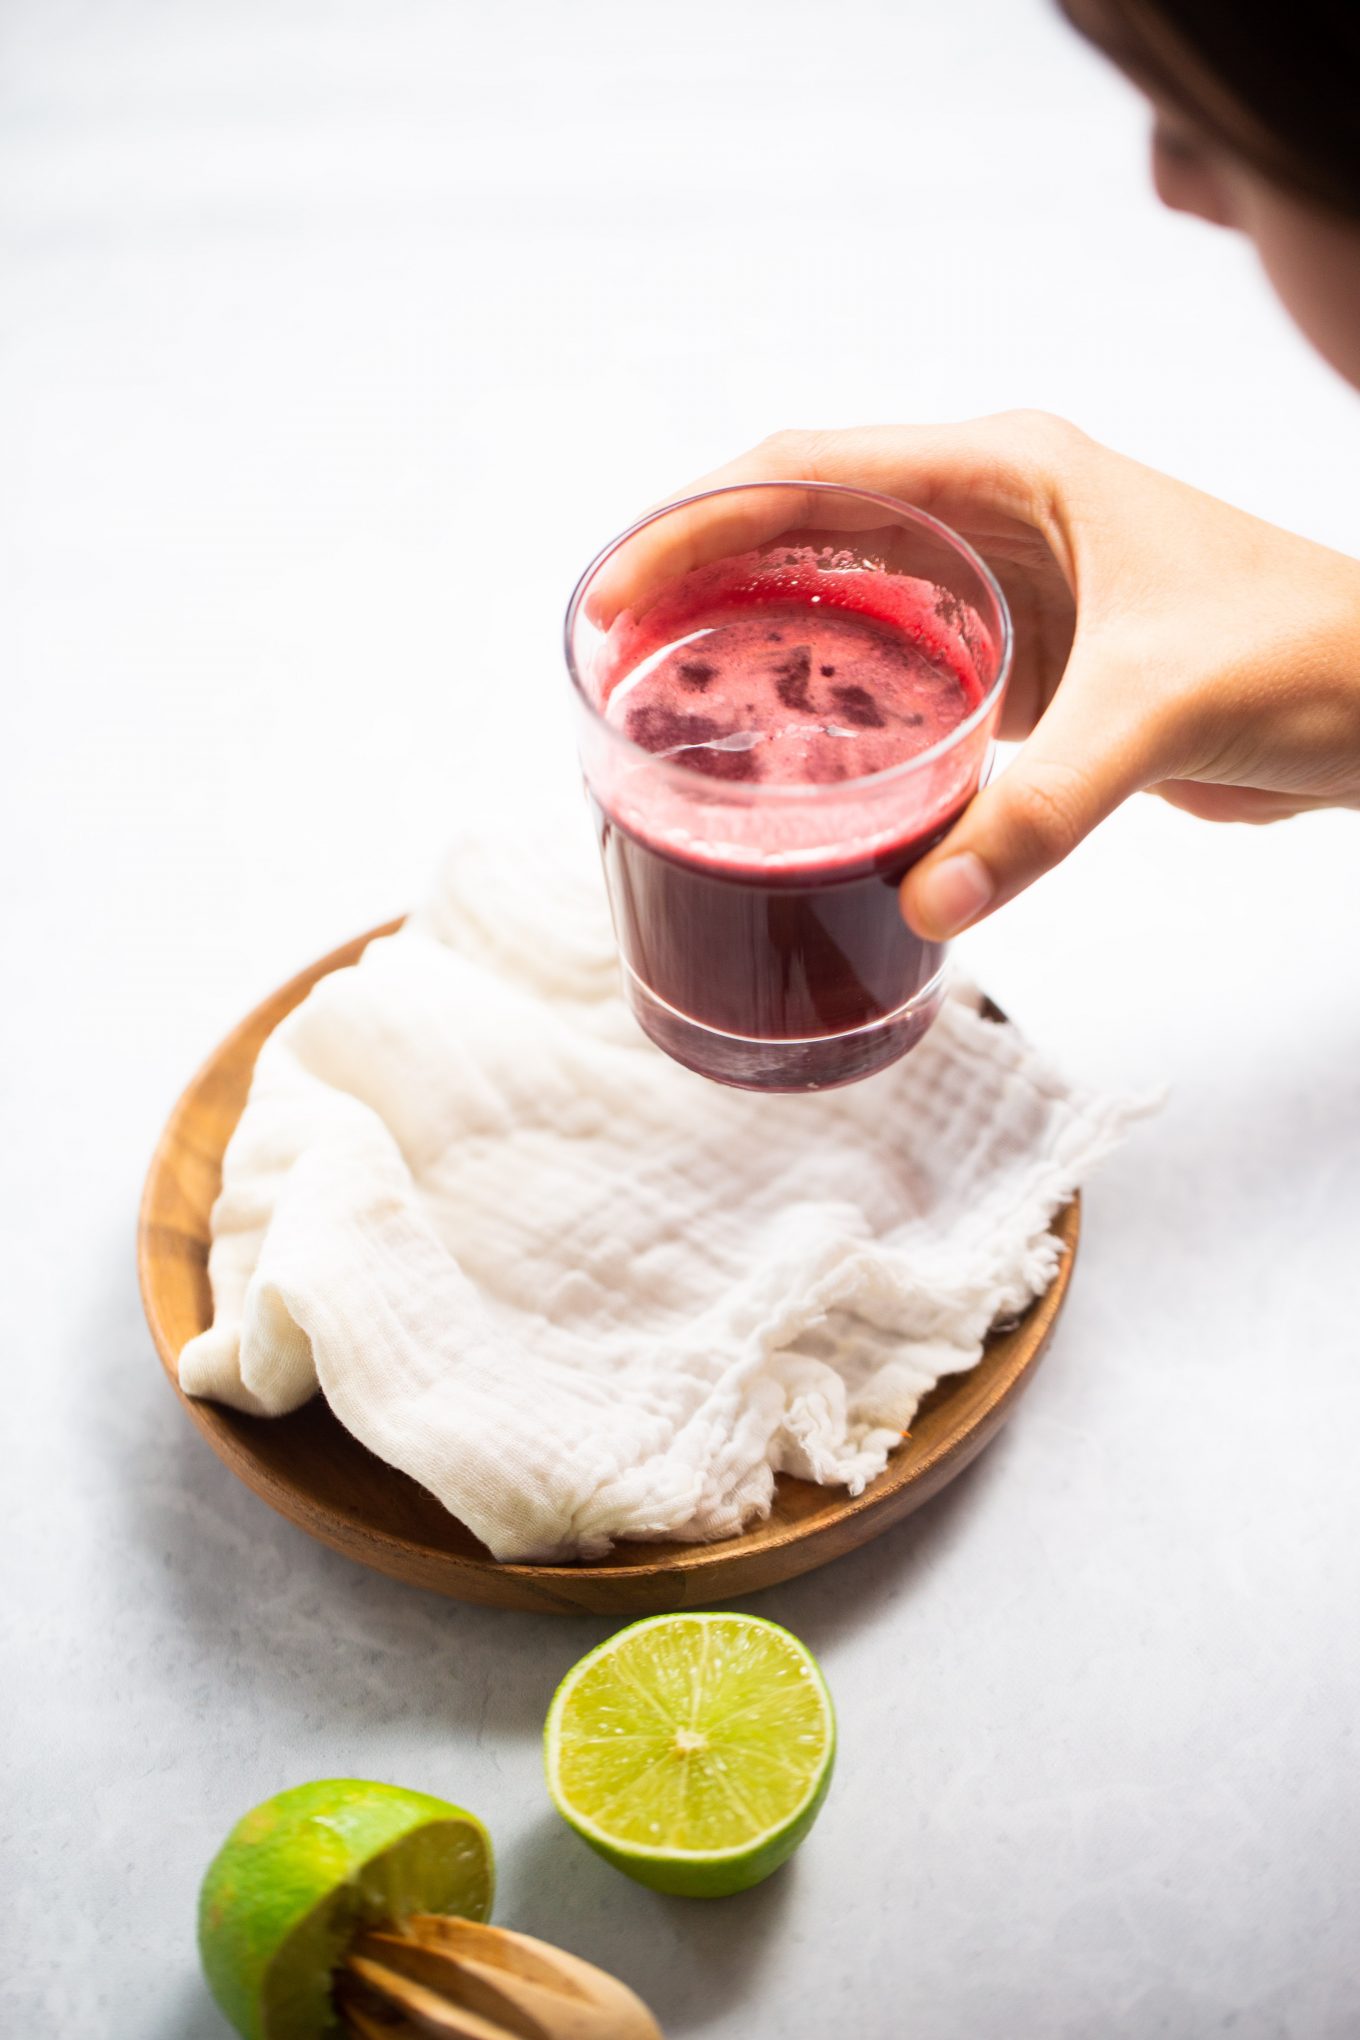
821, 1063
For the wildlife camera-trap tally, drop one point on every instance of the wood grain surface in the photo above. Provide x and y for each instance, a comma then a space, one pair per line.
439, 1978
309, 1468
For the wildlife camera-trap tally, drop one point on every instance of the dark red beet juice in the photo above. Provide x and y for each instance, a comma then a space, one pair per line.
757, 940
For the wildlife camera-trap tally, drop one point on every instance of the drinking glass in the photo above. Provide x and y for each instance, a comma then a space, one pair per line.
757, 916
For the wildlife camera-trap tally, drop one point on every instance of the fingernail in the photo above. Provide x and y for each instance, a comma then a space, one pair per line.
953, 894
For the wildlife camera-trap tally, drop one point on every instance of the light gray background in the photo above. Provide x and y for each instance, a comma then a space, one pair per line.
333, 337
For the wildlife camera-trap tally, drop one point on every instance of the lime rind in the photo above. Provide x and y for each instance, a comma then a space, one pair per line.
649, 1692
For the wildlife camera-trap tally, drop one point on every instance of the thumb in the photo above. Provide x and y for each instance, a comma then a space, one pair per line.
1078, 766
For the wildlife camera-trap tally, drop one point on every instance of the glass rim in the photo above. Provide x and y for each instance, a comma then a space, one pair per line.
754, 793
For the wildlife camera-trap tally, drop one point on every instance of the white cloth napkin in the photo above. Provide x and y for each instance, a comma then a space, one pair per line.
580, 1293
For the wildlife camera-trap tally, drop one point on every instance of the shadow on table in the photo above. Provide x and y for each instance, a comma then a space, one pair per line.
692, 1960
855, 1591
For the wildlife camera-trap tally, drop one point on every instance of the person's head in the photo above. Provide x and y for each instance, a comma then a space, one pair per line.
1257, 127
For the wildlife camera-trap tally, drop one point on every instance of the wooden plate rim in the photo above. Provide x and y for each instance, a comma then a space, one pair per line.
903, 1471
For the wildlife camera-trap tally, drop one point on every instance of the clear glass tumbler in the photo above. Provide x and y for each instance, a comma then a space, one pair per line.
786, 693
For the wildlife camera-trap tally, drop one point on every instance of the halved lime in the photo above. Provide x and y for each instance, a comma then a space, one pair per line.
300, 1875
693, 1751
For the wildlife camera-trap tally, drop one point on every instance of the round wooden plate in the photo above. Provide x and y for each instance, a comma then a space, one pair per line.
309, 1468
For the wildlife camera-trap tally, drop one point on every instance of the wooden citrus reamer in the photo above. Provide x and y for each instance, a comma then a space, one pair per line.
439, 1978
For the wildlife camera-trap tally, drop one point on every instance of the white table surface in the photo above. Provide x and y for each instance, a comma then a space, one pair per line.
334, 335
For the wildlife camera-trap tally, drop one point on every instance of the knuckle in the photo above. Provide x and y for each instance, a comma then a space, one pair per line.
1035, 460
792, 453
1043, 435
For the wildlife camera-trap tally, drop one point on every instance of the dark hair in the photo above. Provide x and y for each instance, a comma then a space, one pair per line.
1279, 85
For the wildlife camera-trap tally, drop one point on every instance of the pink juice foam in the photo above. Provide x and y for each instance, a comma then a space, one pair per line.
791, 697
754, 865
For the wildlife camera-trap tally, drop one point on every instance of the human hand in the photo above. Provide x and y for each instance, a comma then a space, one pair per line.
1164, 641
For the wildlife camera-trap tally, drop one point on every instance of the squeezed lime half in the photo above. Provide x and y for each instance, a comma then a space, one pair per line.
298, 1877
